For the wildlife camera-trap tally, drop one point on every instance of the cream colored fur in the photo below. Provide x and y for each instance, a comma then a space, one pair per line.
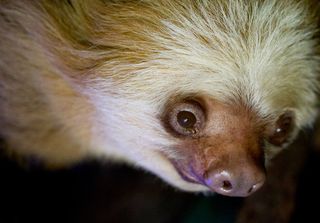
92, 79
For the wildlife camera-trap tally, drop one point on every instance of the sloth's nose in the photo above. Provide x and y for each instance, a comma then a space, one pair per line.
234, 184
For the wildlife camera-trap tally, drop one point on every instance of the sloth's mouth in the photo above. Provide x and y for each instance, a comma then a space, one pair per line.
187, 173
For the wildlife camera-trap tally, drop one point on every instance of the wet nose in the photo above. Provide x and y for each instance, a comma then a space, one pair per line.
232, 184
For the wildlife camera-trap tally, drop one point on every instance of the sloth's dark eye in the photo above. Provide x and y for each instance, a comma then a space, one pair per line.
186, 119
282, 129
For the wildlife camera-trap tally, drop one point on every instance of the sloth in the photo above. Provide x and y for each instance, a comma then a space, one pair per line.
200, 93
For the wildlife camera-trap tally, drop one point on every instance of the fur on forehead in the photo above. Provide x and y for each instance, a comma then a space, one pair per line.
262, 52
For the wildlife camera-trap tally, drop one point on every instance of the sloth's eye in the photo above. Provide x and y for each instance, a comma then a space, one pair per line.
187, 118
282, 129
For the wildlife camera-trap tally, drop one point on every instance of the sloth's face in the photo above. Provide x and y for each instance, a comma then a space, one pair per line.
222, 146
198, 143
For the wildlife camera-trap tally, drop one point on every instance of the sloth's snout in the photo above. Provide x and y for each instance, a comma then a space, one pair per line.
234, 184
240, 180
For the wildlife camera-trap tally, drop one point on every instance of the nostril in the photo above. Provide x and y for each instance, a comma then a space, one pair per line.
220, 182
226, 185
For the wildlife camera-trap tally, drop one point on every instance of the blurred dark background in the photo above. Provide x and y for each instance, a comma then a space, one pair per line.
92, 192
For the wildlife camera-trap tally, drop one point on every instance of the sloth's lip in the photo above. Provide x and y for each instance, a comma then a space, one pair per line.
187, 177
190, 175
186, 172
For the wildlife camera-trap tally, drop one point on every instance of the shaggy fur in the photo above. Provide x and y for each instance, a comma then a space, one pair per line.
83, 79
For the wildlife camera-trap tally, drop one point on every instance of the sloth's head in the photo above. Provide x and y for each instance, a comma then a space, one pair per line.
205, 93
